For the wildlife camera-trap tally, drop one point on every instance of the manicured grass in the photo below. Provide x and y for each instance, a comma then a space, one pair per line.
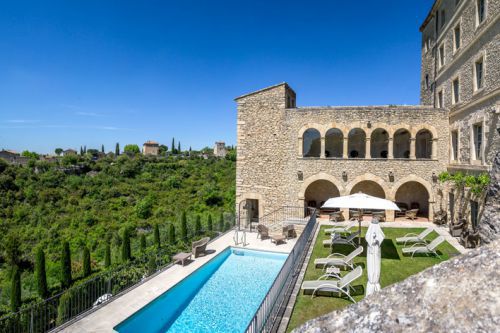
395, 267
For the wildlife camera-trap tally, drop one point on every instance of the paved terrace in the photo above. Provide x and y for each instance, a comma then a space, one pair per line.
113, 313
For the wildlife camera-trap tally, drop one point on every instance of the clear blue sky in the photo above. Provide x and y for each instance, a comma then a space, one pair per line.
91, 72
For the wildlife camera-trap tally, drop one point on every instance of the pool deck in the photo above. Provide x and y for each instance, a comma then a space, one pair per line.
114, 312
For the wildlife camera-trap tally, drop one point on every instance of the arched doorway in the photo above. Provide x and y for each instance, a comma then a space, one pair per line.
401, 144
356, 145
369, 187
319, 191
413, 195
423, 144
334, 143
379, 143
311, 143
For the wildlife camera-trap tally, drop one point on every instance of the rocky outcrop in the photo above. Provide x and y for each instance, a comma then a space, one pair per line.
490, 221
459, 295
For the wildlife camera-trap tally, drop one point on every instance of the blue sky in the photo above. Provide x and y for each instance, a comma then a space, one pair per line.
99, 72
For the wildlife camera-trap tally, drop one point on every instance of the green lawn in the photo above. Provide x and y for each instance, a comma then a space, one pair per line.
395, 267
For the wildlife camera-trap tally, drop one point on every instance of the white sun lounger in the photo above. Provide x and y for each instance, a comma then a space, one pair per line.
424, 248
352, 223
338, 259
342, 285
414, 238
337, 239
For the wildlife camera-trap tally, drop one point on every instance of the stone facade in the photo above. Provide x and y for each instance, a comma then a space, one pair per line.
271, 166
290, 155
151, 148
220, 149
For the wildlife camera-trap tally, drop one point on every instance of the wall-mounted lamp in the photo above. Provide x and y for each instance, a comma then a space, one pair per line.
369, 124
434, 177
300, 175
391, 176
344, 175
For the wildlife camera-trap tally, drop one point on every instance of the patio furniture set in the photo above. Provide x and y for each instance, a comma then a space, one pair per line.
198, 249
288, 231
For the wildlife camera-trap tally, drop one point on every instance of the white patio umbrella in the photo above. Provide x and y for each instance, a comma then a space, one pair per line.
374, 237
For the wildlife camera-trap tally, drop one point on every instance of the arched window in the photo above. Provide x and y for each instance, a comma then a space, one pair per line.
334, 143
357, 143
311, 143
379, 143
401, 142
423, 144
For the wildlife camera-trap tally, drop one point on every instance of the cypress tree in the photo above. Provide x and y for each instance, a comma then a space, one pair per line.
87, 270
184, 230
126, 252
221, 222
171, 234
85, 149
107, 255
15, 293
102, 148
143, 243
40, 273
117, 149
156, 234
179, 147
197, 225
210, 223
66, 266
81, 151
173, 146
151, 265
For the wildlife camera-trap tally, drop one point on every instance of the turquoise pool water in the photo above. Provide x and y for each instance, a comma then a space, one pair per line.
221, 296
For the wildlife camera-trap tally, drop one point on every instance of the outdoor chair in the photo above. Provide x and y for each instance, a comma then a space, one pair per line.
457, 229
470, 239
342, 286
338, 239
338, 259
424, 248
403, 207
379, 215
440, 217
345, 229
414, 238
289, 231
262, 231
336, 216
199, 247
411, 214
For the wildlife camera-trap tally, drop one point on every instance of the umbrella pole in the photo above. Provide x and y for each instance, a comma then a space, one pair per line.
359, 223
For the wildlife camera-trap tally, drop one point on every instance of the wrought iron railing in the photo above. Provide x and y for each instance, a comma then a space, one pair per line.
265, 317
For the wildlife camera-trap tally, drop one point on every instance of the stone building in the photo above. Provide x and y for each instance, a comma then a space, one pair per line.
220, 149
151, 148
289, 155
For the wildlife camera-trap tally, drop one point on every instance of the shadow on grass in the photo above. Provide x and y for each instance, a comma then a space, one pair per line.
388, 248
358, 290
425, 255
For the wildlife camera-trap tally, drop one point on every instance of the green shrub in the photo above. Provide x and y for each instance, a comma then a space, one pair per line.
126, 251
15, 292
87, 269
40, 273
66, 277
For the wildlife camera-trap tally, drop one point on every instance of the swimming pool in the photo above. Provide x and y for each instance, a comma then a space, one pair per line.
221, 296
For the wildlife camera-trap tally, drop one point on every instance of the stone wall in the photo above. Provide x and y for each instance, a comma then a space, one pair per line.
270, 156
490, 222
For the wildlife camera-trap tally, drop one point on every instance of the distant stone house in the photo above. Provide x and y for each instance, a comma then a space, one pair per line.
69, 152
151, 148
220, 149
13, 157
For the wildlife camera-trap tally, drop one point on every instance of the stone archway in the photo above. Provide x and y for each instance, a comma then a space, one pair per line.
319, 191
412, 194
369, 187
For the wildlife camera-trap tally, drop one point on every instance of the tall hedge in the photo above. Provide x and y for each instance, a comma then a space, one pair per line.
197, 225
87, 270
15, 293
184, 230
210, 223
221, 222
156, 235
171, 234
126, 251
66, 266
40, 273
